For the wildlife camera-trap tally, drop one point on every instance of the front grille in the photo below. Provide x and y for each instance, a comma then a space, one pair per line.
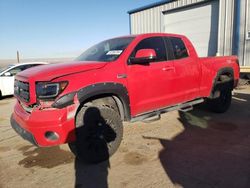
22, 90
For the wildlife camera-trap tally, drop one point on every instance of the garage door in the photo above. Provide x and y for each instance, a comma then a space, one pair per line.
199, 23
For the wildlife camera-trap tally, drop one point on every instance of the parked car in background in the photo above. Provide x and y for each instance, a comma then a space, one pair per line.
8, 73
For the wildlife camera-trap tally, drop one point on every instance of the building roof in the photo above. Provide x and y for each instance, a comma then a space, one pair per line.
149, 6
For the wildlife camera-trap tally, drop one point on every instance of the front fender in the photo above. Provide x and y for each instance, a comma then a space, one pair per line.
107, 88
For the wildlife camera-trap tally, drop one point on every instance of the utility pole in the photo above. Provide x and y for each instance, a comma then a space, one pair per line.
17, 54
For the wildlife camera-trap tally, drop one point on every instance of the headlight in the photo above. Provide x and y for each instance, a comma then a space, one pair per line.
49, 90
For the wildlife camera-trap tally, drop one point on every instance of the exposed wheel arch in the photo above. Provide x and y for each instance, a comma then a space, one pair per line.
223, 80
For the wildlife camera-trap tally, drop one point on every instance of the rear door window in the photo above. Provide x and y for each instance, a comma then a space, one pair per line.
179, 48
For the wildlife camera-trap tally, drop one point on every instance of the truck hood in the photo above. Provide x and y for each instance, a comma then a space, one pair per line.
52, 71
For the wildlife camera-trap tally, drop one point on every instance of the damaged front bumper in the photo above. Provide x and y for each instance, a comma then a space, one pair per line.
45, 127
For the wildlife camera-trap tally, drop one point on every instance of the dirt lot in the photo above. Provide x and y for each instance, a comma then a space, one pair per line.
193, 149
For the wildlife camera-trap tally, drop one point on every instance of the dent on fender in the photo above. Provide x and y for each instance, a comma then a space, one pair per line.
64, 101
70, 102
72, 109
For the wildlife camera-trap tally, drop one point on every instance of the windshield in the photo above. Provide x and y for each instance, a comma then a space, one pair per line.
2, 69
106, 51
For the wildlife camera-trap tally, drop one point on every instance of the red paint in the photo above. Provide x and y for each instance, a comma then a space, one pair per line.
145, 53
150, 87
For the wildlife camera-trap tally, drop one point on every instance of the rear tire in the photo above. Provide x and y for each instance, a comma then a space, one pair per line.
99, 133
222, 103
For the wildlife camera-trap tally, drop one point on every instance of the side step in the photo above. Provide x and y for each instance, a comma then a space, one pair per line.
155, 115
152, 118
186, 109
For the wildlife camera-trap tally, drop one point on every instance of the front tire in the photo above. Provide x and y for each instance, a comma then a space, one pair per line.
99, 133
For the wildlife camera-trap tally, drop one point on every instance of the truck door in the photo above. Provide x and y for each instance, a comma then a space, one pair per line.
150, 85
187, 76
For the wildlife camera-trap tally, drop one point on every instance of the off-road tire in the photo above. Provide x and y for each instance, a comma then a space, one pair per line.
99, 133
222, 103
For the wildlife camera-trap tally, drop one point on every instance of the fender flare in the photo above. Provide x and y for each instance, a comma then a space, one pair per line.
108, 88
229, 84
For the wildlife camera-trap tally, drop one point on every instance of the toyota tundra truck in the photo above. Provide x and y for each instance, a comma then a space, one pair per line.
131, 78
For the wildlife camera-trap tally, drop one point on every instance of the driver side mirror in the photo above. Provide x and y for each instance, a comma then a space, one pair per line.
7, 74
144, 56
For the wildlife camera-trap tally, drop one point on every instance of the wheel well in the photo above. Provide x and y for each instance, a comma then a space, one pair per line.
224, 80
110, 100
224, 77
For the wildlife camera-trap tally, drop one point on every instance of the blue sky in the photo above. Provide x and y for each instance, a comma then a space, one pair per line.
60, 28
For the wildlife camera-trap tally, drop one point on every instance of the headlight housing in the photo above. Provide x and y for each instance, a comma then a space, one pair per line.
49, 90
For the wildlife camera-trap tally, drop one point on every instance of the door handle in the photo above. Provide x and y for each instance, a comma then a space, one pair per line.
168, 69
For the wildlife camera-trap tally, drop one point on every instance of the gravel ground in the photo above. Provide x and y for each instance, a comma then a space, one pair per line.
193, 149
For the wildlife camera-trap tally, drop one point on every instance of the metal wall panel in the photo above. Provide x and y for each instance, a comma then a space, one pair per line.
151, 20
199, 23
247, 37
244, 42
226, 27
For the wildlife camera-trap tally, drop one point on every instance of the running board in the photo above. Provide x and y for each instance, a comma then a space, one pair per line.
152, 118
184, 107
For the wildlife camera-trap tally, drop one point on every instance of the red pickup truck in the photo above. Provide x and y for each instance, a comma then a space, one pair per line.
129, 78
